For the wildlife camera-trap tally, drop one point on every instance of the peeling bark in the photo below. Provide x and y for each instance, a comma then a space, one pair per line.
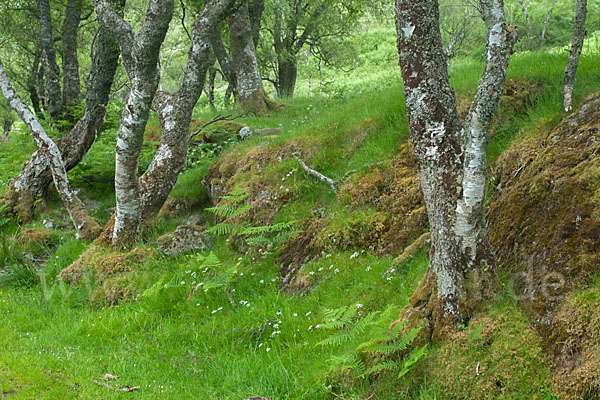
140, 55
53, 98
35, 175
574, 53
70, 63
86, 226
251, 94
451, 158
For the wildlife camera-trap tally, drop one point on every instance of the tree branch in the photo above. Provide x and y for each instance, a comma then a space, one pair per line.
119, 28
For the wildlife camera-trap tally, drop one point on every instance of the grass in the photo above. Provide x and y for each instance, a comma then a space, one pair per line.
247, 337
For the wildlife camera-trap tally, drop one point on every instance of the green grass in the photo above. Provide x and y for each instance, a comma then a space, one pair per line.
54, 339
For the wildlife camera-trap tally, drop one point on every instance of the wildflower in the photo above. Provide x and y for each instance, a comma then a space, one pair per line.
358, 305
261, 281
308, 313
336, 270
268, 349
354, 255
368, 268
295, 314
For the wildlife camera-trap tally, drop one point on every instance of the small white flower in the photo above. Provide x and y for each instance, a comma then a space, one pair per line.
320, 269
336, 270
262, 281
310, 328
308, 313
295, 314
354, 255
368, 268
268, 349
311, 273
358, 305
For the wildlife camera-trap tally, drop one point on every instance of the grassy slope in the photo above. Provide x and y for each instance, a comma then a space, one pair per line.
53, 340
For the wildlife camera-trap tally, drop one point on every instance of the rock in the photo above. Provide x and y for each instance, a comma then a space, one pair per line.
245, 132
195, 219
185, 238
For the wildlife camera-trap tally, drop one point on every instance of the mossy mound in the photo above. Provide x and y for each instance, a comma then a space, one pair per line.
575, 346
498, 356
35, 236
395, 192
544, 220
114, 274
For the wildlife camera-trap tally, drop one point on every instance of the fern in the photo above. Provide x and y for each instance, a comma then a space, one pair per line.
385, 348
266, 237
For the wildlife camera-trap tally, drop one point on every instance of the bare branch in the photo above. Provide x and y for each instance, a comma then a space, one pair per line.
318, 175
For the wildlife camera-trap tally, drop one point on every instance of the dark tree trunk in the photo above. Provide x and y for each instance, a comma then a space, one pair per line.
212, 76
255, 12
251, 95
70, 63
53, 96
452, 161
576, 47
287, 73
7, 124
35, 176
216, 42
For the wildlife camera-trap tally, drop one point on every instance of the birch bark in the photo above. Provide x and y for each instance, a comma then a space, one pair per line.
87, 227
174, 111
452, 160
140, 54
574, 53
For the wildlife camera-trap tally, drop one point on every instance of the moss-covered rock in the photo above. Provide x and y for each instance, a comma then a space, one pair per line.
35, 236
543, 220
185, 238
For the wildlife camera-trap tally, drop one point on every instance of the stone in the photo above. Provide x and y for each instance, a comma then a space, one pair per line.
245, 132
185, 238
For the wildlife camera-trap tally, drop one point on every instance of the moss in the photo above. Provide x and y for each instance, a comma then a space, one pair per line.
543, 219
575, 345
35, 236
498, 355
17, 205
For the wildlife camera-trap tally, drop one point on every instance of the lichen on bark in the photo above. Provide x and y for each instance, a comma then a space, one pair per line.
451, 160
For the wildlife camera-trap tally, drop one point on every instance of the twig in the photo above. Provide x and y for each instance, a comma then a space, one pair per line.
106, 385
260, 335
319, 175
216, 118
343, 178
123, 389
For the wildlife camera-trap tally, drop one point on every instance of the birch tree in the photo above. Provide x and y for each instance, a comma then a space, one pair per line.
452, 161
87, 227
140, 53
574, 53
36, 175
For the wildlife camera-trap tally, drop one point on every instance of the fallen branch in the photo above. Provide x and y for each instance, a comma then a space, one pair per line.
318, 175
215, 119
123, 389
332, 183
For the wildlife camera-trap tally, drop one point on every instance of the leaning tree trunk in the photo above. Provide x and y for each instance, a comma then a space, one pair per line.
36, 175
53, 96
452, 161
251, 94
174, 112
576, 47
70, 63
140, 55
87, 227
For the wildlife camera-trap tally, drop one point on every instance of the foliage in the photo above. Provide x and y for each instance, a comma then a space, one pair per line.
268, 237
376, 348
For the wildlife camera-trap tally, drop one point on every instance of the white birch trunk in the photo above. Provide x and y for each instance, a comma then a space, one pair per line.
574, 53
